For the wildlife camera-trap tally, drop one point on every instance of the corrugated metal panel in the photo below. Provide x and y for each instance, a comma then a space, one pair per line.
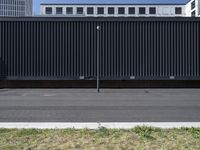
130, 48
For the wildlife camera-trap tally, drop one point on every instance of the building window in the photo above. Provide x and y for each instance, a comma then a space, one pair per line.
142, 10
193, 5
90, 10
178, 10
59, 10
100, 10
131, 10
193, 14
79, 10
69, 10
152, 10
111, 10
48, 10
121, 10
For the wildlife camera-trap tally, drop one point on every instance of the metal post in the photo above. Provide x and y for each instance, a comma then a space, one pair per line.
98, 38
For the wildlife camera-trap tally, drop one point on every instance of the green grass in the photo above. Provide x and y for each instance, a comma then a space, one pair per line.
139, 138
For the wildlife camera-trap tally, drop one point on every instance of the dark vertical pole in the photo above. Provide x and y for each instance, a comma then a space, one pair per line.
98, 44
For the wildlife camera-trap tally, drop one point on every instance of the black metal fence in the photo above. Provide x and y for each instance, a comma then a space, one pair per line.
129, 48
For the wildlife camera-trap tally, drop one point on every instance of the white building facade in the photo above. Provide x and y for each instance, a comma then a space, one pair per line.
16, 8
191, 8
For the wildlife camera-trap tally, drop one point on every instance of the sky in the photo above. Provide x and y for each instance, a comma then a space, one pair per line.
36, 3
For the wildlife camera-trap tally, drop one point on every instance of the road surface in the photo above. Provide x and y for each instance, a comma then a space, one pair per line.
111, 105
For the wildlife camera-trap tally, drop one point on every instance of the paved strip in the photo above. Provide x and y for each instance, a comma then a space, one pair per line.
111, 105
116, 125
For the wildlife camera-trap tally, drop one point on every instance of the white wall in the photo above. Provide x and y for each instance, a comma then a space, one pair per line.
196, 9
198, 2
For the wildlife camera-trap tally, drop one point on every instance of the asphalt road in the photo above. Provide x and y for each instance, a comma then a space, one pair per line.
111, 105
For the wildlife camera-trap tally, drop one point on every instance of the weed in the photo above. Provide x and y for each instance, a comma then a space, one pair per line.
103, 131
145, 132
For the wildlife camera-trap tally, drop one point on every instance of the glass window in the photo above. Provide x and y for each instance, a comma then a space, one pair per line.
69, 10
152, 10
79, 10
121, 10
178, 10
90, 10
100, 10
131, 10
111, 10
193, 5
48, 10
59, 10
193, 14
142, 10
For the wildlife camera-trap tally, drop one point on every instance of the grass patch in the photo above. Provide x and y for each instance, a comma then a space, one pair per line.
28, 132
140, 138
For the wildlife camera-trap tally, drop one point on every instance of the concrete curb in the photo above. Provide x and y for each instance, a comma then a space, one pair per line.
115, 125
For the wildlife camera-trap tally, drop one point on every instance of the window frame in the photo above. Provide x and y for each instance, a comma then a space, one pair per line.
193, 13
177, 10
99, 9
78, 11
193, 5
140, 10
129, 11
121, 10
71, 12
88, 10
57, 10
47, 11
152, 10
113, 10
